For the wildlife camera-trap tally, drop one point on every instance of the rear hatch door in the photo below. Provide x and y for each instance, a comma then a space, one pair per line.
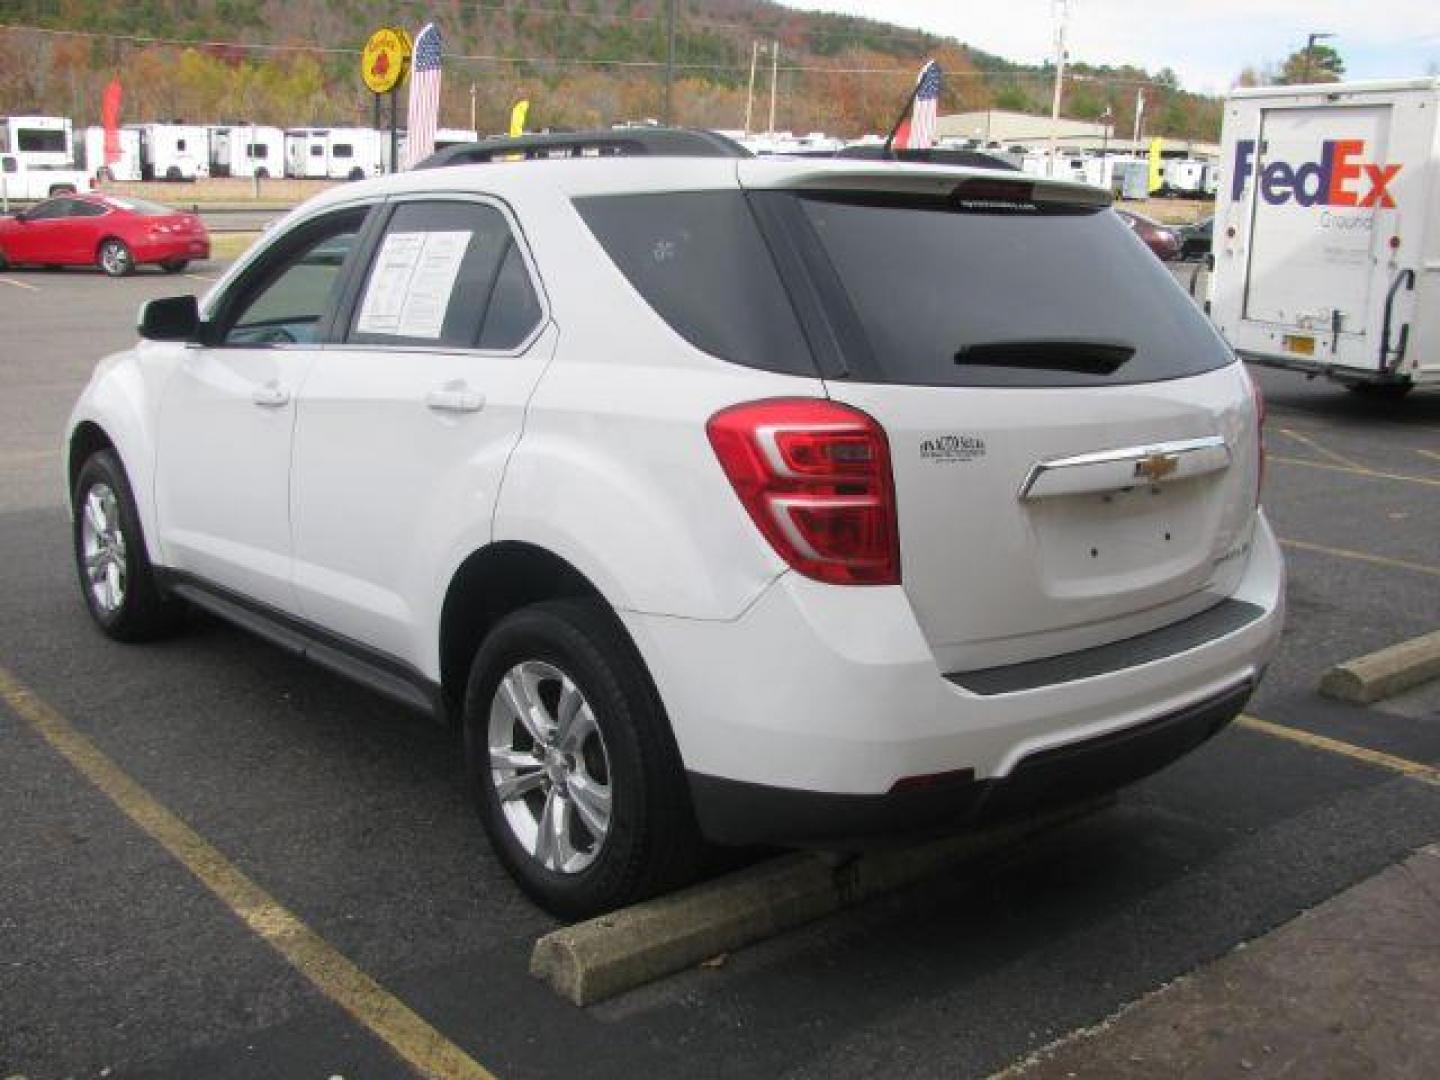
1074, 448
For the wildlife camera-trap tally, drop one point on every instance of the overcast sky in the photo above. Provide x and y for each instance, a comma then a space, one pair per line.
1206, 42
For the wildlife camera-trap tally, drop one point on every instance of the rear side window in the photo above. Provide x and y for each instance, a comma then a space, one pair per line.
447, 275
1007, 297
700, 262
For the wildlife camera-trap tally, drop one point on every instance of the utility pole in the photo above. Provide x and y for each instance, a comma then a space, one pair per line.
750, 94
669, 61
1139, 115
774, 80
473, 90
1310, 51
1062, 13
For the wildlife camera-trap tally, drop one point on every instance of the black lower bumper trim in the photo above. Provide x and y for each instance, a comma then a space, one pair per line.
735, 812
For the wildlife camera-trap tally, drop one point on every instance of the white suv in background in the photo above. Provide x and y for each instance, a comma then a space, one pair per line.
794, 501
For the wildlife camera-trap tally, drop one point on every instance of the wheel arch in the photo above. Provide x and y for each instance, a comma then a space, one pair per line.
489, 584
86, 439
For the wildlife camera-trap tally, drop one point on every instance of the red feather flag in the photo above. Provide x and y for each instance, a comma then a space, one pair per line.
110, 118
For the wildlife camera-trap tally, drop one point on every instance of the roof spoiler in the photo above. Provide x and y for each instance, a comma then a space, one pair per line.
617, 142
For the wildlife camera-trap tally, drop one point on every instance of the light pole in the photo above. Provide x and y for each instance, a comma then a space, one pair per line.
750, 94
1310, 51
1062, 14
669, 61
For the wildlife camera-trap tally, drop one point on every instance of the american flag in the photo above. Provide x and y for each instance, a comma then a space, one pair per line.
920, 132
424, 111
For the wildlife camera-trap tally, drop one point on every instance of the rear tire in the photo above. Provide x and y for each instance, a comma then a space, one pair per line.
114, 258
572, 764
1381, 391
116, 578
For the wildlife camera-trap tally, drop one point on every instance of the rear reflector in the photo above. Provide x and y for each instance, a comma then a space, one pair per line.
815, 478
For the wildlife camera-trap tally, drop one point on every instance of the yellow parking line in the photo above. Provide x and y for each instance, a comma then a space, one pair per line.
1354, 470
1362, 556
1305, 440
19, 284
1416, 770
333, 974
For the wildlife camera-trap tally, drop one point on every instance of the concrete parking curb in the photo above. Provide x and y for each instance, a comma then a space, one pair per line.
591, 961
1379, 675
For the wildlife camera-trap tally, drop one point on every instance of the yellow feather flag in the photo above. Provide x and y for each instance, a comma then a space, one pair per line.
517, 117
1157, 173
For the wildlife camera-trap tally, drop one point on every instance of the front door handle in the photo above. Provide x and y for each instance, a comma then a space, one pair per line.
270, 396
455, 397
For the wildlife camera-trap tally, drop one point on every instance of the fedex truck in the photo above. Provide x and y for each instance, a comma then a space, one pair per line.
1327, 231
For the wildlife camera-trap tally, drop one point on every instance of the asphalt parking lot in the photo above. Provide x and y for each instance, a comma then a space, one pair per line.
116, 961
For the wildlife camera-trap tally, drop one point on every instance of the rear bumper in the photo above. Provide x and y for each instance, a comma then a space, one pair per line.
184, 247
817, 701
734, 812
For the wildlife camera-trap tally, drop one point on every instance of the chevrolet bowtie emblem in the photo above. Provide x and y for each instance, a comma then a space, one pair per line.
1157, 466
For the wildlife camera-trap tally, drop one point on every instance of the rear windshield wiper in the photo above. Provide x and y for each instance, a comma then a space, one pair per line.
1081, 355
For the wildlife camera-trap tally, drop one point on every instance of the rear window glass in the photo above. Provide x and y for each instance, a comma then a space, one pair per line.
140, 206
699, 260
959, 297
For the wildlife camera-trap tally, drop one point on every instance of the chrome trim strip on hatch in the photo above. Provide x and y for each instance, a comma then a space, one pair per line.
1132, 466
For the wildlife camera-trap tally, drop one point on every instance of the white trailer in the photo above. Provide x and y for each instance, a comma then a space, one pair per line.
126, 167
1327, 231
21, 180
173, 151
246, 150
38, 141
1184, 176
348, 153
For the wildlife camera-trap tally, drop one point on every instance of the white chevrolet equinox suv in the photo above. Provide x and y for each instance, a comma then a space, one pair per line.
717, 499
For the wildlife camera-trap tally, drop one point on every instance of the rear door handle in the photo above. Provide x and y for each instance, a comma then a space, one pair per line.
270, 396
455, 398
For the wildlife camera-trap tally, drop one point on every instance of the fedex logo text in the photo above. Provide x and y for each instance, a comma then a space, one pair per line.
1334, 180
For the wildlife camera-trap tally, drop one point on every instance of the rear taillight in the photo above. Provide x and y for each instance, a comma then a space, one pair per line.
815, 478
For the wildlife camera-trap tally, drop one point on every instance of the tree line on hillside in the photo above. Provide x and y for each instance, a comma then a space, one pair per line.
581, 63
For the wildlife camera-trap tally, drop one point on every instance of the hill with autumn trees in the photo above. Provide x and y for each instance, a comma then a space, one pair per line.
582, 63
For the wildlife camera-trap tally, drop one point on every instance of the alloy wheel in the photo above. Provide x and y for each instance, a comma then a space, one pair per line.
103, 548
549, 767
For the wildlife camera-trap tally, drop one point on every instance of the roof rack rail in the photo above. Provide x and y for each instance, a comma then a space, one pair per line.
617, 142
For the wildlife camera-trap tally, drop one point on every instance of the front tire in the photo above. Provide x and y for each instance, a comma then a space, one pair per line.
114, 258
116, 577
572, 763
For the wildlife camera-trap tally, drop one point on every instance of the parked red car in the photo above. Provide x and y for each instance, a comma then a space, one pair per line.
1158, 238
113, 233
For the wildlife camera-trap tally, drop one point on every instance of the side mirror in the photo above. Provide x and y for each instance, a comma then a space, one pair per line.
172, 318
22, 216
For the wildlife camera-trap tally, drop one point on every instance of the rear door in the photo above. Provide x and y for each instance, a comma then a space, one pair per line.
1314, 241
1073, 447
406, 424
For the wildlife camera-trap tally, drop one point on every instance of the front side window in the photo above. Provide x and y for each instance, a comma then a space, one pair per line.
50, 210
449, 275
287, 298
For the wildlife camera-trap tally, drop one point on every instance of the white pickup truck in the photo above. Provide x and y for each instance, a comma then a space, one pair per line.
21, 180
1327, 231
